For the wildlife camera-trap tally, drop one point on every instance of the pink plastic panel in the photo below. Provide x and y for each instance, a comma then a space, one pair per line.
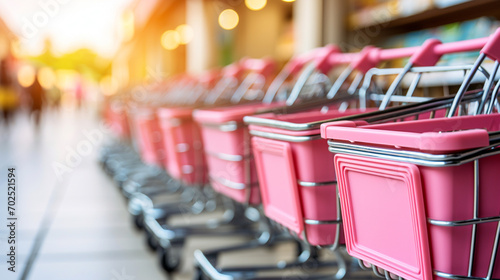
384, 215
184, 159
278, 183
226, 142
449, 196
149, 138
231, 144
434, 135
116, 118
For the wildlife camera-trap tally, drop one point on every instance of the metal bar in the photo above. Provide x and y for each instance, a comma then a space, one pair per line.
315, 184
225, 127
395, 84
227, 157
493, 98
487, 88
463, 222
207, 267
376, 272
465, 84
370, 117
413, 85
457, 277
299, 85
317, 222
285, 137
249, 80
416, 157
339, 82
475, 216
273, 88
231, 184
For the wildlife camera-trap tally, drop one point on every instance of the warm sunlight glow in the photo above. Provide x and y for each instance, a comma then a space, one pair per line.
108, 86
15, 48
26, 75
255, 5
170, 39
288, 1
228, 19
186, 33
66, 78
128, 25
46, 77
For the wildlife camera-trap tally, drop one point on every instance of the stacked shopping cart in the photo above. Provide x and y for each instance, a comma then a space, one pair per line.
331, 153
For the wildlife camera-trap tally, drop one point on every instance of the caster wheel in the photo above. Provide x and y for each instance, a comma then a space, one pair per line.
138, 222
169, 260
152, 243
198, 275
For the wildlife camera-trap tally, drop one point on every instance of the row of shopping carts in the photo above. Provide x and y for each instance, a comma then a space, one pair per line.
390, 169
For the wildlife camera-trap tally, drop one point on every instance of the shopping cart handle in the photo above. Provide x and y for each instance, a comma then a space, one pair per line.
432, 49
233, 70
265, 67
371, 56
322, 58
342, 58
209, 78
319, 55
492, 47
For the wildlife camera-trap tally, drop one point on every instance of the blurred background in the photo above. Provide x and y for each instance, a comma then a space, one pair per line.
83, 51
61, 59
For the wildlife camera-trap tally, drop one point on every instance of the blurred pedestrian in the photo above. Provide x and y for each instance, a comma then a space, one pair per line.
9, 100
37, 94
54, 95
79, 92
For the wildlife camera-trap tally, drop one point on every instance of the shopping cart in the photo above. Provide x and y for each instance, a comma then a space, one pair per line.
302, 200
117, 158
232, 168
417, 194
226, 140
185, 162
116, 118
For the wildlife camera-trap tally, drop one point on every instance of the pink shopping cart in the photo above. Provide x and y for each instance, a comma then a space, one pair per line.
227, 141
304, 199
116, 117
147, 134
418, 197
144, 122
227, 144
185, 161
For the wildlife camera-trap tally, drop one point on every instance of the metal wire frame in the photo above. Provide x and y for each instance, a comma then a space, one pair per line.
487, 100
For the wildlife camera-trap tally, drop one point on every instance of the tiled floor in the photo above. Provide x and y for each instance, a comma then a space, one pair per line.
73, 226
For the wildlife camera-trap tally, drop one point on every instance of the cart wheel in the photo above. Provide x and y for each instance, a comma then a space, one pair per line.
138, 222
198, 275
150, 240
169, 260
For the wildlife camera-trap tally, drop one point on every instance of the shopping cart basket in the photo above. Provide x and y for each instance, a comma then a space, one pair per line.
303, 197
418, 197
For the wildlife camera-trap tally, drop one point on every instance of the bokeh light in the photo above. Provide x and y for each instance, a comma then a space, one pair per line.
255, 5
186, 33
46, 77
108, 85
228, 19
128, 24
288, 1
26, 75
170, 39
